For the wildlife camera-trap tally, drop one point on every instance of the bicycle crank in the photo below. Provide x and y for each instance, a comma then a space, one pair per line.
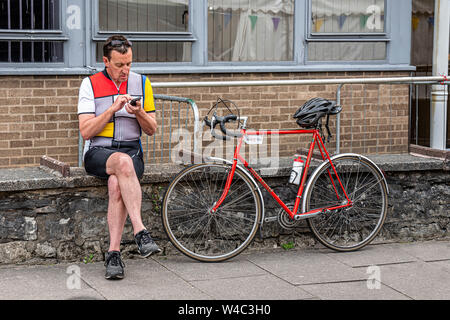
299, 217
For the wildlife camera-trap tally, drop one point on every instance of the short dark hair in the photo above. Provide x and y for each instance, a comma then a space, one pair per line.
118, 43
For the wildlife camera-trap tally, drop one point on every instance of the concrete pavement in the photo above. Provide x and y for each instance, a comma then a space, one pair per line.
397, 271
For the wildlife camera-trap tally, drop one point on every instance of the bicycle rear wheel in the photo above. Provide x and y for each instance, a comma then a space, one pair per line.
194, 229
354, 227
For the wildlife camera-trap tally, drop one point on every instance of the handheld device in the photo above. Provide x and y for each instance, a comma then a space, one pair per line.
133, 102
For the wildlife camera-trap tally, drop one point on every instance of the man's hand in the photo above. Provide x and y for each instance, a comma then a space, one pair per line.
134, 109
121, 101
147, 121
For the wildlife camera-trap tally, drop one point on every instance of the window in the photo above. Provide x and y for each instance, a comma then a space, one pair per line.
30, 31
159, 29
198, 36
347, 16
260, 30
347, 30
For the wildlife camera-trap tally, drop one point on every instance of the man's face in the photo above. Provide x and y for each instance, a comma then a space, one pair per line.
119, 65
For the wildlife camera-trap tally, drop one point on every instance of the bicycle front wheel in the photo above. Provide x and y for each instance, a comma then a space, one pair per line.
348, 228
194, 229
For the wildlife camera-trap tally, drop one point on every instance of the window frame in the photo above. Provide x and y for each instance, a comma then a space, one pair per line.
38, 35
358, 37
134, 36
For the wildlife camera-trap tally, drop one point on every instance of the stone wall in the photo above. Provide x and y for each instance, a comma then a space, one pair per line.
50, 219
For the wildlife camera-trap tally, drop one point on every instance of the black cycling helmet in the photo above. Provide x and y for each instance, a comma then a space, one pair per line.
309, 114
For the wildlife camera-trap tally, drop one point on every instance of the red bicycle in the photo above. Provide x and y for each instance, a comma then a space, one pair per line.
212, 211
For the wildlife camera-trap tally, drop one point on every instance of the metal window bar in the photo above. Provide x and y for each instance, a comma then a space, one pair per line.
378, 125
420, 101
47, 10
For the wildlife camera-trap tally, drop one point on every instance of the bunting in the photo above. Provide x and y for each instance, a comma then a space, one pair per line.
363, 20
319, 23
253, 20
415, 22
342, 19
227, 18
276, 22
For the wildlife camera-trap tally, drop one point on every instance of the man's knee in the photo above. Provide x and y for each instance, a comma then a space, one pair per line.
121, 164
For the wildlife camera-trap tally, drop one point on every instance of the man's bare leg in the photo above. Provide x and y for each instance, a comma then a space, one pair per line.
121, 166
117, 214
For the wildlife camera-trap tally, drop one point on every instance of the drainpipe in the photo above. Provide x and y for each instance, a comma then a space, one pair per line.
439, 93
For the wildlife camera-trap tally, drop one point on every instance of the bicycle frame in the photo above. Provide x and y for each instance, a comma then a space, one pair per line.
316, 141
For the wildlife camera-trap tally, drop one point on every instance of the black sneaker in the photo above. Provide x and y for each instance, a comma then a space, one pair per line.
145, 243
114, 266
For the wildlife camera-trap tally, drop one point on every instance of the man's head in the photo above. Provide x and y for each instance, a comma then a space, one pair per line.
117, 57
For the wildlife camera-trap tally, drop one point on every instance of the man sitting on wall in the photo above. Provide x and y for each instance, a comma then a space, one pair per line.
111, 124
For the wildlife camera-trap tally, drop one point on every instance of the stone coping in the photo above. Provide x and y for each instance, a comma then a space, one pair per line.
42, 177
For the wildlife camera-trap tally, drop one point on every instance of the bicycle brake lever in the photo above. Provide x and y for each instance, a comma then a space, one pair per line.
214, 122
207, 122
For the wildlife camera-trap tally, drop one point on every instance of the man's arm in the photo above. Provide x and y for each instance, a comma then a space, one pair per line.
90, 125
146, 113
147, 121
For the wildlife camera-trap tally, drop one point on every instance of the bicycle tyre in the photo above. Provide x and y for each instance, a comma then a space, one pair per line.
350, 228
200, 234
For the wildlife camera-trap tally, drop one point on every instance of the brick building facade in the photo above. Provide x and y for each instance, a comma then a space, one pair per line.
39, 113
47, 47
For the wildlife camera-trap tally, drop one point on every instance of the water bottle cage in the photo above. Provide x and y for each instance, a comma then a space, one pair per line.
292, 176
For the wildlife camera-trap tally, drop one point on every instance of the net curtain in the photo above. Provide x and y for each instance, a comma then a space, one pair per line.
264, 30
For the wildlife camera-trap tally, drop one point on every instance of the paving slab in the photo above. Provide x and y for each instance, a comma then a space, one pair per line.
44, 283
144, 279
443, 265
355, 290
373, 255
427, 251
306, 266
263, 287
192, 270
417, 280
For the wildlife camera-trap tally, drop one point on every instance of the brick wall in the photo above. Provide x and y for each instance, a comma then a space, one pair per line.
38, 113
38, 116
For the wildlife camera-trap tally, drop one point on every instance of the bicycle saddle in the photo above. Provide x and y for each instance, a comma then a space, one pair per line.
309, 113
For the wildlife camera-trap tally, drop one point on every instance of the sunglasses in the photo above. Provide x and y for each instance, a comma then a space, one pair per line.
119, 43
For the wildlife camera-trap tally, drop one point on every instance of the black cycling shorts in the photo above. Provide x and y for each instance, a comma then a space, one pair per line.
96, 157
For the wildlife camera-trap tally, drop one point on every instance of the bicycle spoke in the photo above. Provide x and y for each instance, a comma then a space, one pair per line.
350, 227
200, 233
